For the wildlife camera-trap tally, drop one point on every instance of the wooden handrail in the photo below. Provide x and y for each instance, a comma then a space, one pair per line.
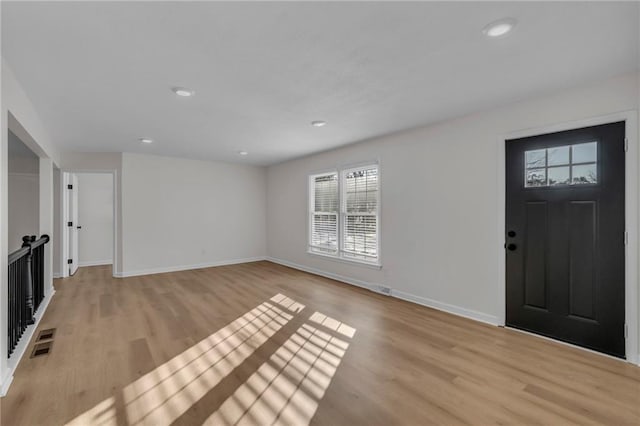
21, 252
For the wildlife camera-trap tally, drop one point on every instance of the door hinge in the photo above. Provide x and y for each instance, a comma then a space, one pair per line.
69, 223
626, 331
69, 261
626, 144
626, 238
69, 186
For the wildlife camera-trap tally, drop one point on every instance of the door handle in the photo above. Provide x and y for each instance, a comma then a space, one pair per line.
512, 247
79, 227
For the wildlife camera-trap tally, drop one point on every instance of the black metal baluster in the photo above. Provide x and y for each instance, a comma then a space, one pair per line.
25, 287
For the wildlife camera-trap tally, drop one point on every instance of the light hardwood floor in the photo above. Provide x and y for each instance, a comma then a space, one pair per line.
244, 344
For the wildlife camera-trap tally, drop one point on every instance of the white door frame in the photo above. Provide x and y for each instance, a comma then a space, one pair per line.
631, 215
64, 204
64, 217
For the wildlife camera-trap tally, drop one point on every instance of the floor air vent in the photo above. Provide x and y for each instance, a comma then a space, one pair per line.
47, 334
41, 349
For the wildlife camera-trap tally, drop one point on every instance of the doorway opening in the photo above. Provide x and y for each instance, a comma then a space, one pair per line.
88, 219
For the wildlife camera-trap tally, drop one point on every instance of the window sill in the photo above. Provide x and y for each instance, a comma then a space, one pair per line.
348, 261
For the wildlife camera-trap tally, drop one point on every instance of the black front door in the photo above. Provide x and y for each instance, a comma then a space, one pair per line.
565, 236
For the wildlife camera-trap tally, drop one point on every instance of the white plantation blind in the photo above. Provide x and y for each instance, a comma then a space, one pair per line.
324, 213
360, 213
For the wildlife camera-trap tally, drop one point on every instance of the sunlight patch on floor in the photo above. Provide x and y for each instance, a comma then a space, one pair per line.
286, 389
288, 303
164, 394
333, 324
103, 414
289, 386
167, 392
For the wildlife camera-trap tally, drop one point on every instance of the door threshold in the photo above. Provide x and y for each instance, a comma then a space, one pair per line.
571, 345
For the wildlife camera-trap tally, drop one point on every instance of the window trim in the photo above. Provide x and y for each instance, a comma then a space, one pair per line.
339, 255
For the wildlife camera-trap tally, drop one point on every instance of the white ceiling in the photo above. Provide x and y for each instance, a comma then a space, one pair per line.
100, 73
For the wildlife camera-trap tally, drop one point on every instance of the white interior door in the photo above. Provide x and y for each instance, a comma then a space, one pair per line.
73, 228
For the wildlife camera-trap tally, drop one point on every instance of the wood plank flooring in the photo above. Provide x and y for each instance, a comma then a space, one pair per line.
260, 343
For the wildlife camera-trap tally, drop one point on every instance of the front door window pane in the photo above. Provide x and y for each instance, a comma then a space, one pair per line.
535, 159
559, 176
585, 173
562, 165
584, 153
537, 177
558, 156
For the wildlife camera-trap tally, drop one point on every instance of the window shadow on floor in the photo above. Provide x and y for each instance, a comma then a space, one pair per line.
286, 389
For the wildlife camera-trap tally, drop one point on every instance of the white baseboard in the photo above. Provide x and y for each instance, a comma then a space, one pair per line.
6, 383
57, 275
95, 263
446, 307
23, 344
163, 270
378, 288
359, 283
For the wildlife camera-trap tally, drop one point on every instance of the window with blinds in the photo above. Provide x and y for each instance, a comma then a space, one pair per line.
344, 210
324, 213
360, 214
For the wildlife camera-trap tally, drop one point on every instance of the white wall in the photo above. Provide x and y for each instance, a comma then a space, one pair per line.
23, 192
24, 209
439, 199
90, 161
178, 214
19, 115
95, 215
24, 165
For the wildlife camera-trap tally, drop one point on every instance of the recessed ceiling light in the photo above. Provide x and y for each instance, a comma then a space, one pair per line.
318, 123
243, 152
183, 91
145, 140
500, 27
